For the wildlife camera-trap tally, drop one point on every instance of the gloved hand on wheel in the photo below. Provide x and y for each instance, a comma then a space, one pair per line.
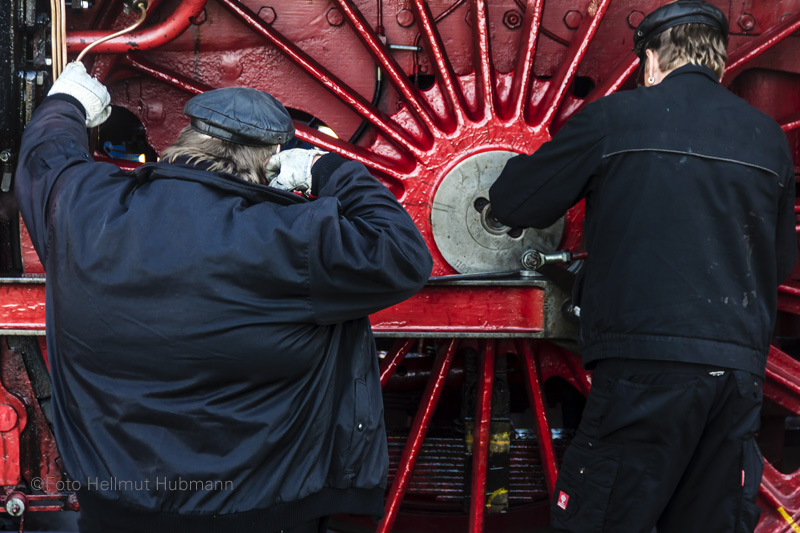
290, 170
93, 96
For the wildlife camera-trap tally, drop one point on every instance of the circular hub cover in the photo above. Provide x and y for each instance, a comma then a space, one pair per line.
465, 233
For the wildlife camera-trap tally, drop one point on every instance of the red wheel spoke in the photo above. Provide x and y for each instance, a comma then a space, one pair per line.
789, 299
411, 96
454, 97
783, 380
427, 407
523, 76
611, 84
393, 358
782, 493
394, 169
484, 77
755, 48
356, 102
144, 66
480, 441
577, 50
534, 386
792, 122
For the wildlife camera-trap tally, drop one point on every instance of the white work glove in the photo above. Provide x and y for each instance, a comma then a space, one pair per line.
92, 94
290, 170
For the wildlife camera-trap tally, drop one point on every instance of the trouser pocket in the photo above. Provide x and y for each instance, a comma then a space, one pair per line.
583, 489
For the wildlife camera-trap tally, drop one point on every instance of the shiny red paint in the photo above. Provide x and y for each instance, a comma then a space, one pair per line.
488, 309
152, 37
394, 358
747, 53
22, 306
419, 428
13, 419
480, 441
533, 385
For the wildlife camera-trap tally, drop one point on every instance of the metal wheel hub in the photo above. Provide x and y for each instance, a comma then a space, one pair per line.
466, 234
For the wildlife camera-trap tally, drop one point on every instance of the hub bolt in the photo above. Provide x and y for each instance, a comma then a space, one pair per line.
512, 19
747, 21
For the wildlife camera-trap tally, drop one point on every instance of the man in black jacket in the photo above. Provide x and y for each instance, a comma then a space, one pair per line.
213, 365
689, 228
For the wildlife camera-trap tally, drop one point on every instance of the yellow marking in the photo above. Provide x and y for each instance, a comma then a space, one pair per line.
500, 443
789, 519
500, 496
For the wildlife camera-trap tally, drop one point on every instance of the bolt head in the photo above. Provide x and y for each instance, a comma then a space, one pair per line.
635, 18
747, 21
267, 14
15, 506
8, 417
335, 17
405, 18
573, 19
512, 19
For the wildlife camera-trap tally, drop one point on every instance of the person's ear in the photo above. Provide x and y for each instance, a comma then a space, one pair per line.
651, 67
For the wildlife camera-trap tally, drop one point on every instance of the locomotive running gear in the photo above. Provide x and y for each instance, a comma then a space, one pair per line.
290, 170
689, 220
240, 115
676, 443
689, 229
92, 95
675, 14
213, 364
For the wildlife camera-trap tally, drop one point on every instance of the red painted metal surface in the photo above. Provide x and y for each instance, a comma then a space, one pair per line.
505, 310
22, 307
393, 358
480, 441
482, 76
534, 387
152, 37
427, 406
13, 419
750, 51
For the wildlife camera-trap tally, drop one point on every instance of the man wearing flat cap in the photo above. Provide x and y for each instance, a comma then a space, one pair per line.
689, 230
213, 365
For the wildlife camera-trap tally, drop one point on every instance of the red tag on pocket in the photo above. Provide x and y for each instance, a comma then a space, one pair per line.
563, 499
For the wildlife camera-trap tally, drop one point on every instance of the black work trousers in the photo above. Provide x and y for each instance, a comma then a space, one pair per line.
666, 445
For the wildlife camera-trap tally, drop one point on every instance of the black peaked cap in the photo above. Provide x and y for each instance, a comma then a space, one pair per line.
240, 115
674, 14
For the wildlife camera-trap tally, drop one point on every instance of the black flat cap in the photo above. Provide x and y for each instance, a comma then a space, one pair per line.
674, 14
240, 115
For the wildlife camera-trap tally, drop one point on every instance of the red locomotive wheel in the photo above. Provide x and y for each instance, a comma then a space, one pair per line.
481, 392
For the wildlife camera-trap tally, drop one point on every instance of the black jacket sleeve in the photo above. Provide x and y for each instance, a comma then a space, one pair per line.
536, 190
54, 147
371, 256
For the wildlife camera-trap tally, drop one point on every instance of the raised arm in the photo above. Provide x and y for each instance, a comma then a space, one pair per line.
536, 190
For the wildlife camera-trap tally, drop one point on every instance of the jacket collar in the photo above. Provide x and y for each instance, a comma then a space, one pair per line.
221, 181
692, 69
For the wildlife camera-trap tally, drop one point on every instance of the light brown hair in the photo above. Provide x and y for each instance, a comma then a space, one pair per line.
698, 44
245, 162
